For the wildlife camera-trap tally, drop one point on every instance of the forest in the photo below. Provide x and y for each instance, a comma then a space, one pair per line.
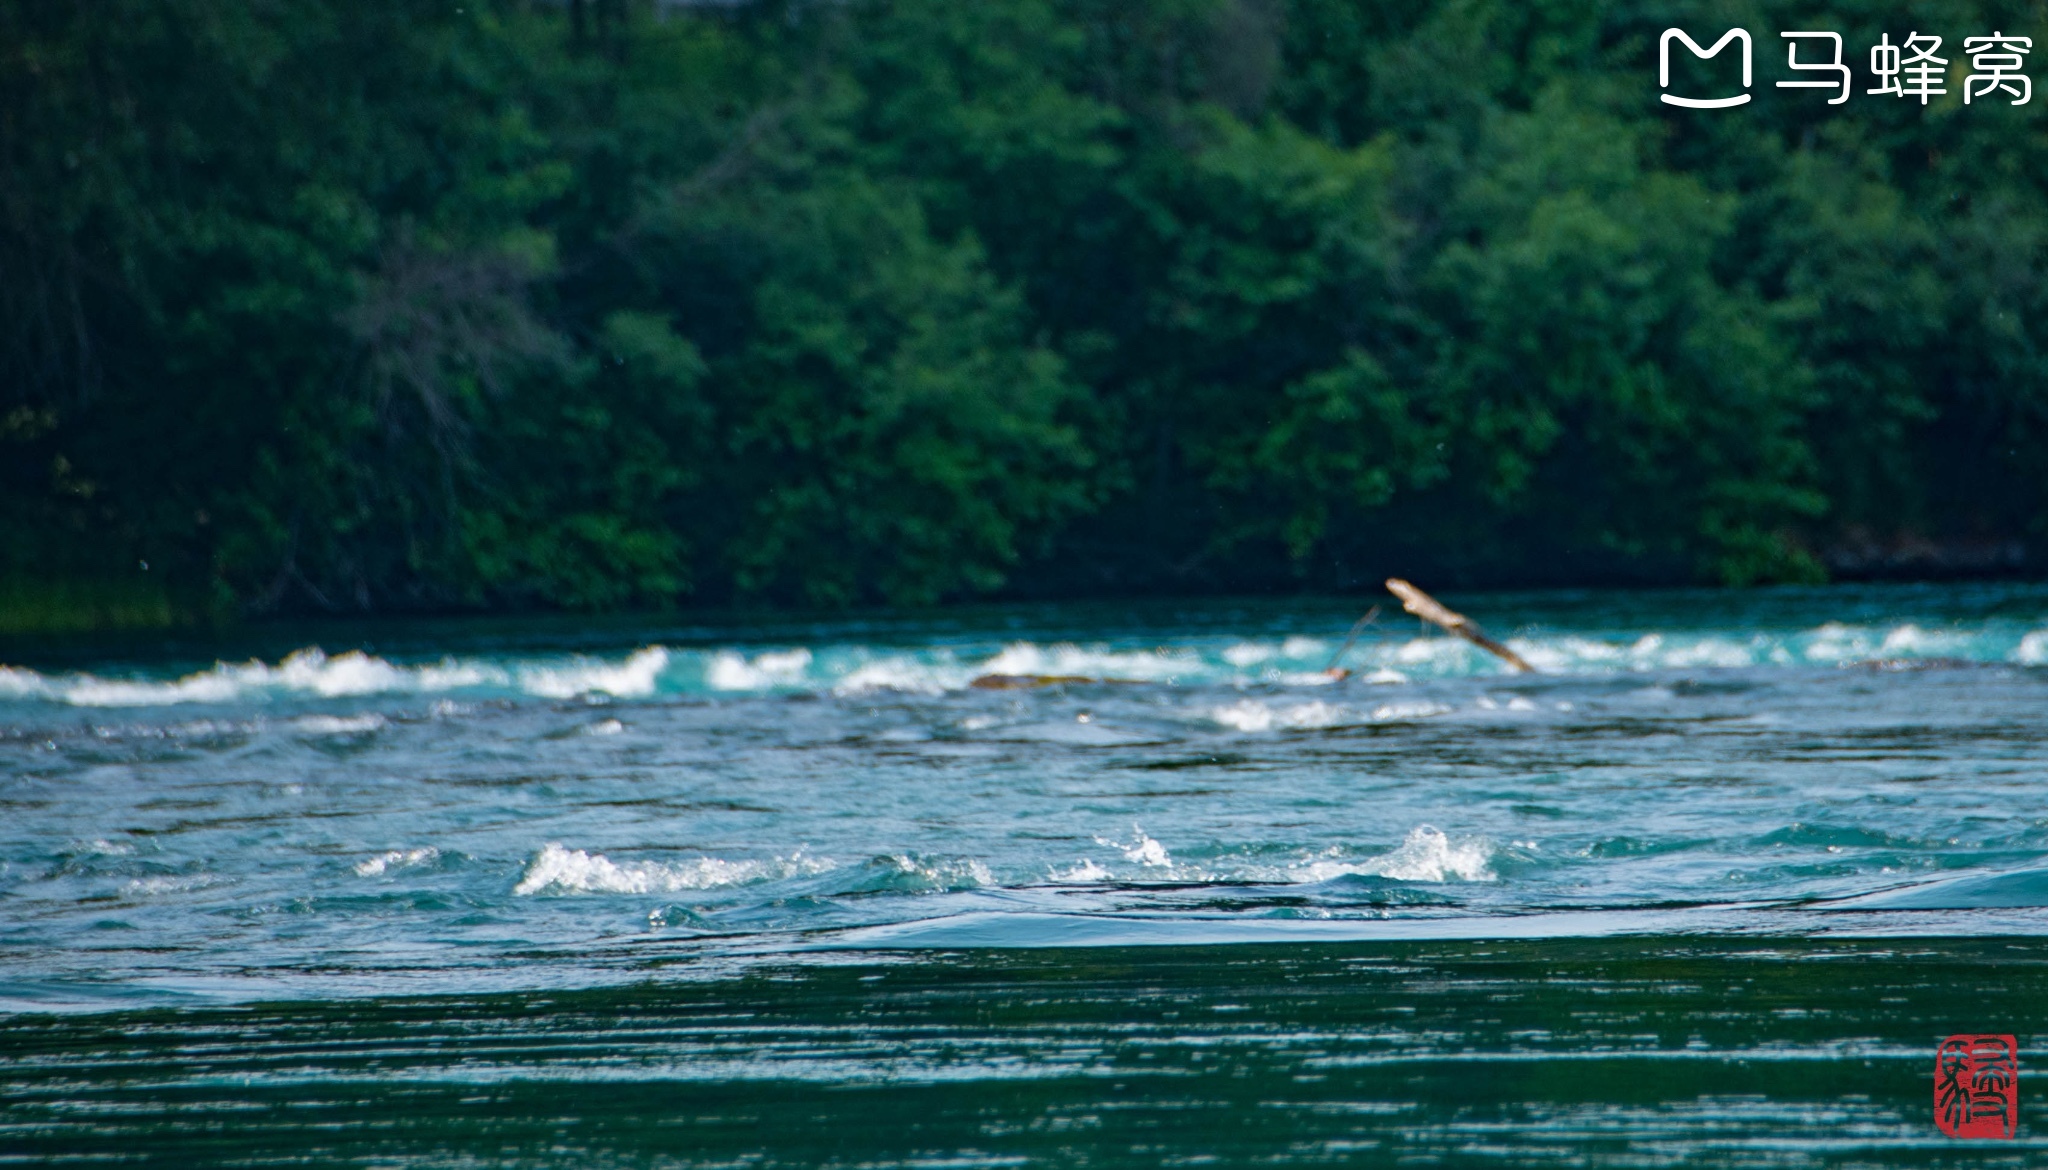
498, 305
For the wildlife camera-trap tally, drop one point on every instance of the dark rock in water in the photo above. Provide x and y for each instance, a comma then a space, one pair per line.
1025, 682
1901, 664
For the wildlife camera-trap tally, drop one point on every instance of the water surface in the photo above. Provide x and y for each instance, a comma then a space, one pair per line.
537, 825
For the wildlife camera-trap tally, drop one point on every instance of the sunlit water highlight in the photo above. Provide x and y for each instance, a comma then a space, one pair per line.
365, 815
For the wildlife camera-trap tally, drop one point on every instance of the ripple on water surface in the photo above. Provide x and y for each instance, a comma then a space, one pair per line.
1604, 1053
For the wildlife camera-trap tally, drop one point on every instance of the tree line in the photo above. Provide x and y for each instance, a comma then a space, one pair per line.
314, 306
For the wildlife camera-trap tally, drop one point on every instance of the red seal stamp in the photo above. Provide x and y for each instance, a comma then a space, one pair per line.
1977, 1087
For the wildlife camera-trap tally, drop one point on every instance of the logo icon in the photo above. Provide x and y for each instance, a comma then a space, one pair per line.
1664, 67
1977, 1087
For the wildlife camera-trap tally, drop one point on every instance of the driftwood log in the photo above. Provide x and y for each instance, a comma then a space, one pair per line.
1429, 609
1413, 600
1349, 640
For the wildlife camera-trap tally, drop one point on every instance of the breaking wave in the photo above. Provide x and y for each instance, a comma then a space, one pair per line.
852, 670
1260, 715
558, 870
2033, 649
312, 673
912, 873
396, 859
1426, 854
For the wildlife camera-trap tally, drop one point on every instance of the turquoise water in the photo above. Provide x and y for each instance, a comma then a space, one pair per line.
1579, 1052
519, 882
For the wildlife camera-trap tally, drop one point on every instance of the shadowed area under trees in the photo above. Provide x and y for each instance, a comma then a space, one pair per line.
308, 306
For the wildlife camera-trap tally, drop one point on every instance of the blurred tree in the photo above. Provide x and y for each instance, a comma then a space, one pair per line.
613, 303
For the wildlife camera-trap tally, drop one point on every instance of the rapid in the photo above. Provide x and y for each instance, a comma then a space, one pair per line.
455, 806
1706, 890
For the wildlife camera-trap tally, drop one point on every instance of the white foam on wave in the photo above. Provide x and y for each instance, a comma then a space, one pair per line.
212, 728
1303, 678
1389, 712
1249, 653
1912, 641
308, 671
2033, 649
1256, 715
1441, 655
1066, 658
556, 869
1244, 715
1082, 872
19, 683
338, 724
1577, 654
219, 685
854, 670
950, 873
1828, 644
1835, 642
729, 670
355, 673
392, 859
1721, 653
1427, 854
150, 887
899, 674
635, 676
1297, 648
313, 672
1141, 850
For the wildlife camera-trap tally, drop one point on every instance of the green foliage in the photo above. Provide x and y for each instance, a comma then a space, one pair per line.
482, 305
900, 428
75, 605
